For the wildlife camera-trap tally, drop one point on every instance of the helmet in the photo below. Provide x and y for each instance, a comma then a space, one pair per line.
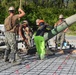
37, 21
60, 16
11, 8
41, 21
25, 22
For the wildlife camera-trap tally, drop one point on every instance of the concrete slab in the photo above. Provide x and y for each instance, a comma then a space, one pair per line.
58, 64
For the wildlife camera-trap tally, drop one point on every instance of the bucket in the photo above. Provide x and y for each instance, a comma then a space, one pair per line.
65, 44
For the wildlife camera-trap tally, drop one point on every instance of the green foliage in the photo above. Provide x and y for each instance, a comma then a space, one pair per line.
73, 27
2, 14
48, 11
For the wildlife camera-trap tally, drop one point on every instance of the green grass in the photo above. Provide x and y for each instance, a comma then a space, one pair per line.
71, 33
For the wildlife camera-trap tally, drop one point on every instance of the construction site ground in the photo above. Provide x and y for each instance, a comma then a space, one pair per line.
62, 63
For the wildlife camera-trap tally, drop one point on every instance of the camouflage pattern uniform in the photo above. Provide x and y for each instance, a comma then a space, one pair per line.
11, 45
10, 38
60, 37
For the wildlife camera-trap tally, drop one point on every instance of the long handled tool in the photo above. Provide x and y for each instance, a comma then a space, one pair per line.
20, 7
20, 4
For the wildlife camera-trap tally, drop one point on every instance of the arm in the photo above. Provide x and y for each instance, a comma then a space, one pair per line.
21, 32
27, 30
55, 25
48, 28
65, 30
22, 13
22, 35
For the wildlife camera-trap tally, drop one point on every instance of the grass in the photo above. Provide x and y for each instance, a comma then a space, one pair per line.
71, 33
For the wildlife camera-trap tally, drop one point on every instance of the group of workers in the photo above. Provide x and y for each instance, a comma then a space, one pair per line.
12, 27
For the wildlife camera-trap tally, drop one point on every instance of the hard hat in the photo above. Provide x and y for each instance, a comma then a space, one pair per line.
61, 16
41, 21
11, 8
37, 21
25, 22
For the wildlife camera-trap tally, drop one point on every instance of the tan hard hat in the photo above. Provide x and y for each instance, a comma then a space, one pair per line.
11, 8
37, 21
61, 16
25, 22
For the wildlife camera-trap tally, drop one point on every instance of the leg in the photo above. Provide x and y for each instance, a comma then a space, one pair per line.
13, 45
36, 43
7, 51
62, 40
41, 47
56, 42
6, 55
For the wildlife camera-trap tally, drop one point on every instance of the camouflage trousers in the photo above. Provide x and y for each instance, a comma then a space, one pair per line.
10, 40
60, 39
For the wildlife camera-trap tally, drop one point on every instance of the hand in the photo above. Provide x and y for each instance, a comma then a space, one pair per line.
19, 9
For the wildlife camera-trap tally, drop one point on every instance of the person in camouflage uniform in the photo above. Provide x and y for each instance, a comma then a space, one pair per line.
25, 33
11, 24
60, 37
